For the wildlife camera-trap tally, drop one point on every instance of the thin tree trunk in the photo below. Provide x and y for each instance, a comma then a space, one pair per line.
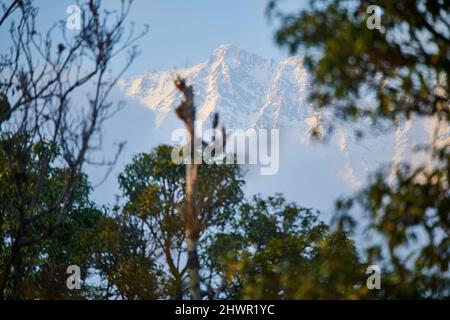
11, 261
4, 277
192, 224
192, 229
194, 268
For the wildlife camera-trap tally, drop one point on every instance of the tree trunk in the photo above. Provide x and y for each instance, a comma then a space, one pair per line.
194, 268
192, 224
191, 221
12, 260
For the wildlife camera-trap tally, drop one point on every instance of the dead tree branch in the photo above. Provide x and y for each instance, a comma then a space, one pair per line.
193, 222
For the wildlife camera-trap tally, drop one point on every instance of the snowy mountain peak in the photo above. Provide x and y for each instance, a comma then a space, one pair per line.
250, 91
226, 50
246, 89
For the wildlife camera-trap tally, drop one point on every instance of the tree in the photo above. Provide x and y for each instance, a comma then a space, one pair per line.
266, 248
38, 81
40, 270
124, 261
278, 250
409, 74
154, 191
405, 66
192, 219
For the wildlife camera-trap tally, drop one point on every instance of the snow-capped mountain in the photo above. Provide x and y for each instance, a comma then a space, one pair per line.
245, 89
250, 91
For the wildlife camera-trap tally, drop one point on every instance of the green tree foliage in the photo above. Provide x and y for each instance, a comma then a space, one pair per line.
123, 260
406, 62
46, 138
153, 187
404, 66
37, 268
278, 250
267, 248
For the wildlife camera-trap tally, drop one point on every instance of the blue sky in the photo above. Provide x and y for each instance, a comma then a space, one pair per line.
183, 33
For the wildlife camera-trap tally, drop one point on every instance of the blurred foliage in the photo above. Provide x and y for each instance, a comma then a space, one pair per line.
50, 126
265, 248
406, 62
124, 266
278, 250
153, 190
395, 72
41, 272
411, 221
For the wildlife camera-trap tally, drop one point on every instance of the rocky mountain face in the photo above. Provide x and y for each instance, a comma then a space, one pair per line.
253, 92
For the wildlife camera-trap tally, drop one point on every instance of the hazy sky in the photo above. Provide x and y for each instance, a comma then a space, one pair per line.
183, 33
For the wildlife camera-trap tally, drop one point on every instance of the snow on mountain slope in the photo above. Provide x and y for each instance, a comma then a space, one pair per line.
246, 89
250, 91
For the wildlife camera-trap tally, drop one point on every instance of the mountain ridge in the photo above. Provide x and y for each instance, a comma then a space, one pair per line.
253, 92
247, 90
